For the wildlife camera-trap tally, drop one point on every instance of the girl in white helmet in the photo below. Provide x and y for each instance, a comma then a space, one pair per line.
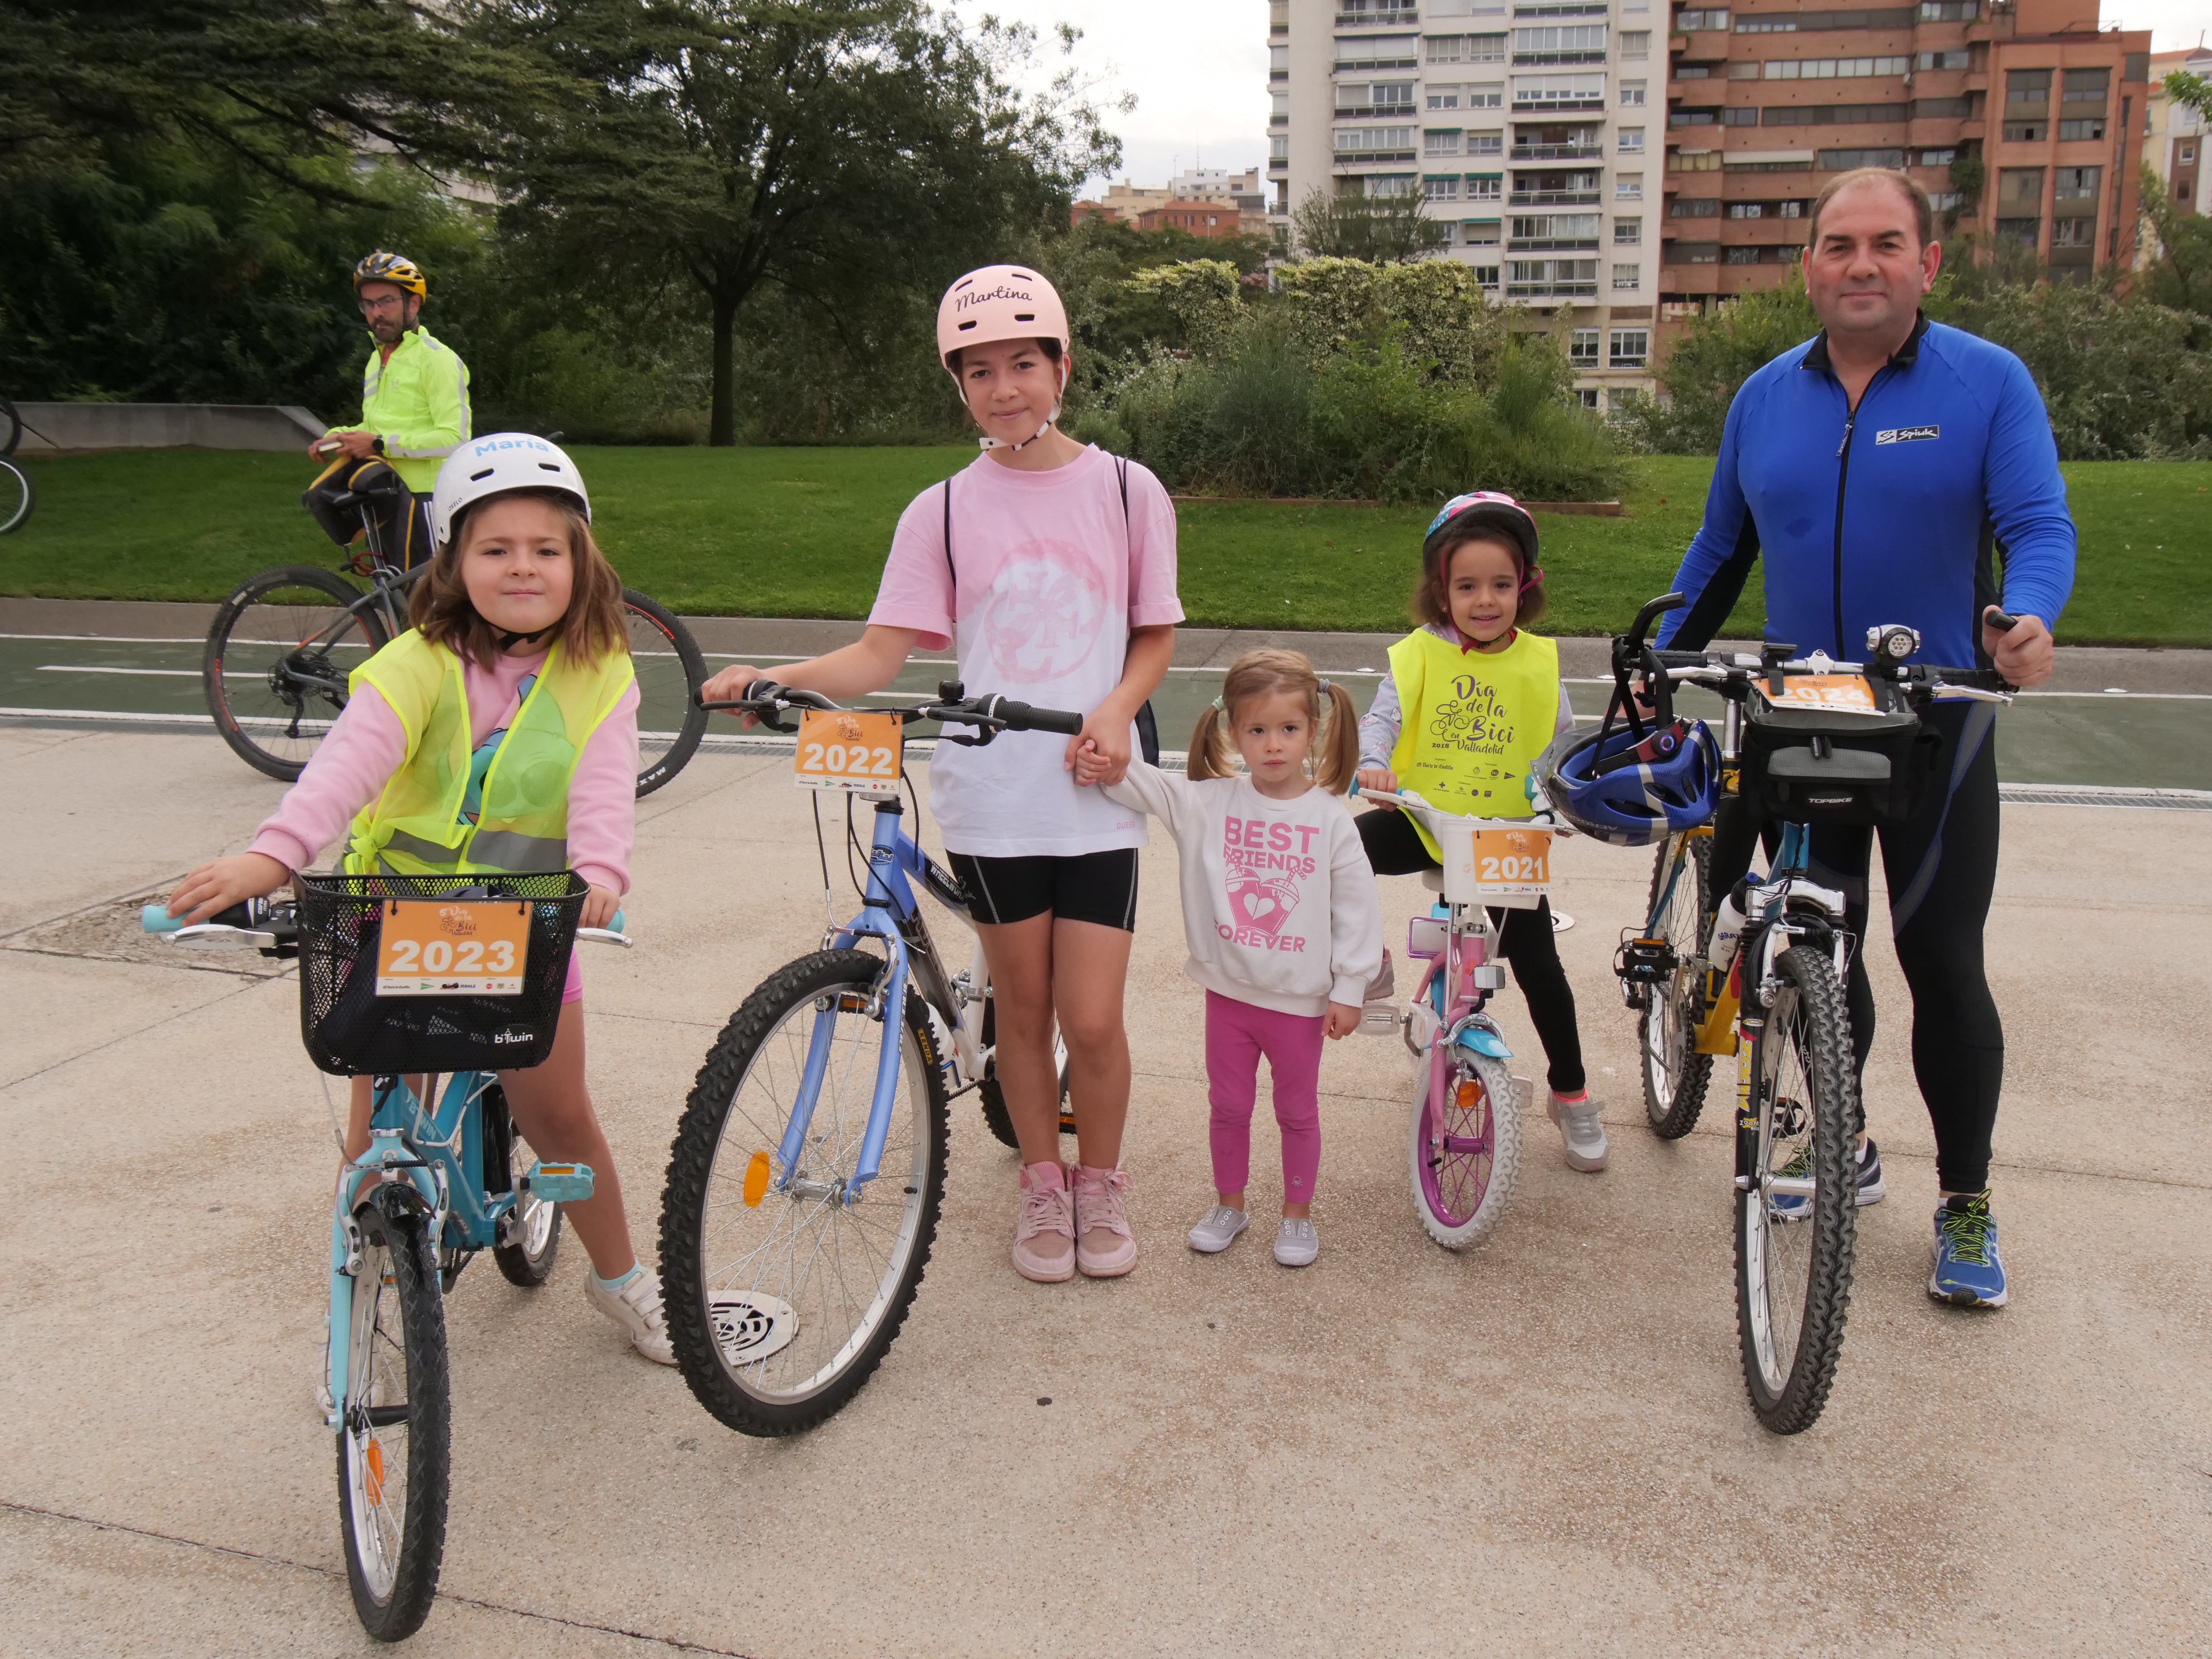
1050, 566
517, 634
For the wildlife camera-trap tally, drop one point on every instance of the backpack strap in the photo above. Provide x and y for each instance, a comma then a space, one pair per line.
951, 569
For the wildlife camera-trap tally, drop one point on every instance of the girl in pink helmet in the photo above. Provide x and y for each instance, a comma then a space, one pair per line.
1049, 566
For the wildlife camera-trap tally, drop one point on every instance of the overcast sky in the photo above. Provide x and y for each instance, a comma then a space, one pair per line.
1199, 68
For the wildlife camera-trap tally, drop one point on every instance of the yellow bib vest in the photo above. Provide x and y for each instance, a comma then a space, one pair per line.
1472, 723
415, 828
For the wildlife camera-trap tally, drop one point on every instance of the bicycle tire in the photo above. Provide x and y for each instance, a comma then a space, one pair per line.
11, 427
991, 1096
670, 721
247, 648
393, 1586
527, 1262
741, 1100
1788, 1374
1675, 1075
14, 514
1460, 1193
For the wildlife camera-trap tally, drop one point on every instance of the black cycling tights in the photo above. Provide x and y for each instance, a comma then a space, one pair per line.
1942, 866
1524, 938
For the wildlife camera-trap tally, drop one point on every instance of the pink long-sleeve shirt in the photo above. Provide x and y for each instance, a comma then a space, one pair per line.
366, 744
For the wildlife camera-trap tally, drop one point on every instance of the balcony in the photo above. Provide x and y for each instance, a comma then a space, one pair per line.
1586, 152
1551, 290
1549, 105
1553, 245
1375, 20
1552, 59
1356, 158
1555, 198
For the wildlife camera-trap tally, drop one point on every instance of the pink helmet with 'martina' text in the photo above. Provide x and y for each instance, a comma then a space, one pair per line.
999, 303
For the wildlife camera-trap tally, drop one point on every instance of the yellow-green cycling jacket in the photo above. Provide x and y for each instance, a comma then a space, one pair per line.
417, 401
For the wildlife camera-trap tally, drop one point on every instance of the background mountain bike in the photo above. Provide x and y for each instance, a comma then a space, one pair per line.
445, 1176
808, 1169
281, 649
1829, 742
16, 495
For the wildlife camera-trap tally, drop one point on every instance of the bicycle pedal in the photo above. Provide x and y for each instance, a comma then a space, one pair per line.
1380, 1019
559, 1183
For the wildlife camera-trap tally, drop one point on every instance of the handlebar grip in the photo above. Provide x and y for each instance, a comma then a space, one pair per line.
1020, 717
1995, 618
615, 924
156, 918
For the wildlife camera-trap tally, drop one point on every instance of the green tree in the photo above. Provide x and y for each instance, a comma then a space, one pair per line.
1716, 354
1341, 225
2181, 276
831, 149
2191, 91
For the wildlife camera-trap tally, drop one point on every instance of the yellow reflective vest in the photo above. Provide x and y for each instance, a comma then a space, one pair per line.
415, 828
417, 401
1471, 723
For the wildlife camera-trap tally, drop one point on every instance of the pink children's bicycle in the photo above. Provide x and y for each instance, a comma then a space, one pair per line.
1464, 1145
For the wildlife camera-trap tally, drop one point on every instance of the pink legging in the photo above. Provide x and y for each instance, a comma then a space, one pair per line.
1237, 1035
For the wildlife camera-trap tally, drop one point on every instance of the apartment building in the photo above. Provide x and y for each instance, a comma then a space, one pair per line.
2175, 135
1528, 128
2021, 119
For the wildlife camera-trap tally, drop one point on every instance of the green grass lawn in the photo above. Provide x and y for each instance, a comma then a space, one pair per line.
802, 532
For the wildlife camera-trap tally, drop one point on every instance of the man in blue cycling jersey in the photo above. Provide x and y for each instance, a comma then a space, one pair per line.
1892, 470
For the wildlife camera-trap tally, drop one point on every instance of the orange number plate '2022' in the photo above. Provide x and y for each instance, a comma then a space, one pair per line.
842, 750
1849, 693
438, 948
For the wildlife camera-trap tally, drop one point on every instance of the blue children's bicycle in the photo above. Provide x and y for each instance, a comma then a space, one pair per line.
808, 1170
403, 979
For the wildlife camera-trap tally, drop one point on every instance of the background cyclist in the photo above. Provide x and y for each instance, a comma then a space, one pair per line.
1892, 470
414, 402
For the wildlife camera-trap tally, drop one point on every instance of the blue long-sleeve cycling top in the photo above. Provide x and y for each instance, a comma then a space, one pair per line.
1901, 512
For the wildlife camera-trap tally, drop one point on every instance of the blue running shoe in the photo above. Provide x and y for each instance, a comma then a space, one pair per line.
1793, 1207
1969, 1272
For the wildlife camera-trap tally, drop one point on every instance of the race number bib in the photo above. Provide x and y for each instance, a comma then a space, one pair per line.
1847, 694
446, 948
849, 751
1513, 860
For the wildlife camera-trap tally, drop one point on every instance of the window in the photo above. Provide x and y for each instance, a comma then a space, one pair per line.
1943, 60
1444, 97
1693, 117
1692, 253
1352, 140
1279, 148
1484, 186
1384, 97
1833, 115
2027, 132
1635, 44
1543, 92
1706, 19
1628, 232
2029, 87
1743, 69
1938, 158
1441, 190
1949, 11
1586, 396
1740, 117
2073, 233
1581, 347
1372, 52
2074, 131
1630, 346
1628, 187
1534, 278
2020, 188
2027, 232
1480, 233
1625, 278
1832, 68
1490, 96
2077, 184
1694, 207
2085, 90
1693, 71
1740, 256
1467, 48
1389, 183
1278, 106
1569, 231
1632, 140
1441, 144
1693, 160
1485, 143
1747, 210
1279, 60
1814, 22
1576, 44
2188, 154
1632, 94
1485, 276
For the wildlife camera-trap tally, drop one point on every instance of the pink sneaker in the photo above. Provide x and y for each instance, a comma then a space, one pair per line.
1104, 1247
1044, 1238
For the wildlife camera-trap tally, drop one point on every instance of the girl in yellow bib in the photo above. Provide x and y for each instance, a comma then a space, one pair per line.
498, 734
1471, 700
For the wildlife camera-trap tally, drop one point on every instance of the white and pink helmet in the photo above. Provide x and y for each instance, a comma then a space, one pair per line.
1001, 302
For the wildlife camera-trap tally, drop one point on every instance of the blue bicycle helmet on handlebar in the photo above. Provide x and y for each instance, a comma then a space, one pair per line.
1673, 784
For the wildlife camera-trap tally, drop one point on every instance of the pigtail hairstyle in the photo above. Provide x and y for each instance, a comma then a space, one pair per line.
1334, 758
591, 628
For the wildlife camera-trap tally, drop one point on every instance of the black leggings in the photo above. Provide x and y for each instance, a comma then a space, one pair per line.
1524, 938
1941, 865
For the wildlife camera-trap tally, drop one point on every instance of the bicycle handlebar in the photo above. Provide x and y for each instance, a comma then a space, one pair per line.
269, 920
989, 714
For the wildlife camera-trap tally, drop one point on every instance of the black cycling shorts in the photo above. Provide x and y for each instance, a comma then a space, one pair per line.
1100, 887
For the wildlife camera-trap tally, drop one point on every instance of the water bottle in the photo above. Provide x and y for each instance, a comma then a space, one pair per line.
1729, 924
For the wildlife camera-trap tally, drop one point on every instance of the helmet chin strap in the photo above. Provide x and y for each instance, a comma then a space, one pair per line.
507, 641
987, 442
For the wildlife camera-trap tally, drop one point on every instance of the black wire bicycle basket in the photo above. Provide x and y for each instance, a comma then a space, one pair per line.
352, 1031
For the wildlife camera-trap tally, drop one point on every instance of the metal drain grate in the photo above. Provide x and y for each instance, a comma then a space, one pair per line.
2091, 794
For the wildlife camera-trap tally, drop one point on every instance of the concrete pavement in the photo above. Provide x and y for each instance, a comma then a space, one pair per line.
1542, 1446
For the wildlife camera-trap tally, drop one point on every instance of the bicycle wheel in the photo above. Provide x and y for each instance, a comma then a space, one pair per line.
16, 496
11, 427
278, 654
1464, 1162
670, 671
1794, 1276
991, 1096
394, 1447
1675, 1073
533, 1235
783, 1297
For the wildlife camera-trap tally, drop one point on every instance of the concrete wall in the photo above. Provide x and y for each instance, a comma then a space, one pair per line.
167, 426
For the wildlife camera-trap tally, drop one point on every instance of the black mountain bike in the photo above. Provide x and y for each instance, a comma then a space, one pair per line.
282, 646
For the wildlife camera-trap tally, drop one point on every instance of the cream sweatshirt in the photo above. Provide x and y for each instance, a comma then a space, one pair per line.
1278, 901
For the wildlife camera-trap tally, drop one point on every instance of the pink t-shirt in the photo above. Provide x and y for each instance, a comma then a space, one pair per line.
1052, 576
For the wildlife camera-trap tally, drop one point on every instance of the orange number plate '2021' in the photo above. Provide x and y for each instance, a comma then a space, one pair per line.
1513, 860
842, 750
439, 948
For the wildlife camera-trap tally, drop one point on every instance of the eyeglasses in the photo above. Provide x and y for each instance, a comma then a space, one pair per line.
388, 302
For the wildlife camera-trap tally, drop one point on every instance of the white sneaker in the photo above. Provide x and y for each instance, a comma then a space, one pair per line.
1581, 1130
1297, 1244
1217, 1229
636, 1309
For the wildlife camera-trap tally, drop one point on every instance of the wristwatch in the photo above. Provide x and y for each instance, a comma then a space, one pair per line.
377, 443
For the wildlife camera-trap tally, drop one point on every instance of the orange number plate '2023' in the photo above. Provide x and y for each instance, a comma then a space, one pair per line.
842, 750
439, 948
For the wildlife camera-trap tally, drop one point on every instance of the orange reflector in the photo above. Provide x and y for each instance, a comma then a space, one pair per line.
756, 1180
374, 1458
1469, 1095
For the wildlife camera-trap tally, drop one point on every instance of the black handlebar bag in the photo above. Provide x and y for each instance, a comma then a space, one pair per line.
1805, 764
